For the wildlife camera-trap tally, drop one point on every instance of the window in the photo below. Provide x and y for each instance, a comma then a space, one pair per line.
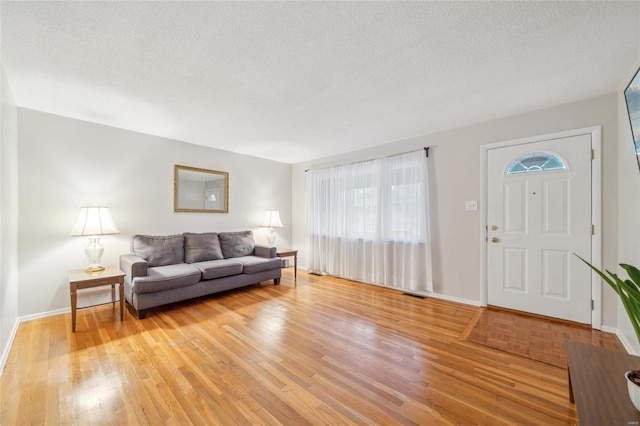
536, 162
365, 202
368, 221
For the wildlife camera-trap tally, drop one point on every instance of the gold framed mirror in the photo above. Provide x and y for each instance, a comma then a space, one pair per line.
198, 190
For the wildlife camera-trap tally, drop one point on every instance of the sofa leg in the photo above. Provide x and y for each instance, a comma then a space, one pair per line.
141, 314
276, 281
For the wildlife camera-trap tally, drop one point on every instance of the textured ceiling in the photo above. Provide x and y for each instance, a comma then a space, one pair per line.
295, 81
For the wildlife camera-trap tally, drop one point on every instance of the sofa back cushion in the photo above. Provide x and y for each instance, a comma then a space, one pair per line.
236, 244
159, 251
201, 247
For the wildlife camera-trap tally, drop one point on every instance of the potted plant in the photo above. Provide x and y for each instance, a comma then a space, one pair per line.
629, 293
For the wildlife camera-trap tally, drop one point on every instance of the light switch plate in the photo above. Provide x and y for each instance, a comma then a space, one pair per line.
471, 205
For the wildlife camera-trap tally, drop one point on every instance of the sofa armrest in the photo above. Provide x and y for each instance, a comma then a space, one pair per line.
261, 250
133, 266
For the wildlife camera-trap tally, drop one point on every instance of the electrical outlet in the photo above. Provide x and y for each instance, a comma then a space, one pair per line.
471, 205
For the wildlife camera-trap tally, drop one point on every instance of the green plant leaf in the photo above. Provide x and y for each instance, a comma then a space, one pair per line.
632, 306
627, 290
602, 274
633, 272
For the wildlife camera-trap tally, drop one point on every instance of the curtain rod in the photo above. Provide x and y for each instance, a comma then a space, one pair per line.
426, 153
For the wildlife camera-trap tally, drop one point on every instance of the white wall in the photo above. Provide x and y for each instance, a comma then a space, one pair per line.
8, 218
629, 212
454, 161
66, 163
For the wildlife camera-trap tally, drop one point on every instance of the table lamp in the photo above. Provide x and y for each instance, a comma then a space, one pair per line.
272, 220
94, 222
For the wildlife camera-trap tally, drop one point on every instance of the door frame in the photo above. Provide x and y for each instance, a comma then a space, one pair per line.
596, 210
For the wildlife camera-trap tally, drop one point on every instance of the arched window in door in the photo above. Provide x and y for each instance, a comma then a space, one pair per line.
536, 162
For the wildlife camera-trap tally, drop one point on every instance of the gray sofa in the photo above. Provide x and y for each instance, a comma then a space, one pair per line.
167, 269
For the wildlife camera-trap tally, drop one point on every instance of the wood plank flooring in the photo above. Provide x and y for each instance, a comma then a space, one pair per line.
323, 352
538, 338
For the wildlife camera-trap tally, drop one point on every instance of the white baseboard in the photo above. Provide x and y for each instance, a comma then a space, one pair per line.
14, 330
7, 348
452, 298
421, 292
44, 314
627, 345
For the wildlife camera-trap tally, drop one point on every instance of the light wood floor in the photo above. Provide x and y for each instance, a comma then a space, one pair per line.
324, 352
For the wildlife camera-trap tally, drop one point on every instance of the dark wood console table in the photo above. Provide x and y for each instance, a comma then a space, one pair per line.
597, 384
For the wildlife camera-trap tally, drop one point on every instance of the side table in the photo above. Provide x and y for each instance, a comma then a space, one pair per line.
290, 253
80, 279
597, 384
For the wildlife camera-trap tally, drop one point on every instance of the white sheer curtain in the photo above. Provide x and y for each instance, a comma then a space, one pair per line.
368, 222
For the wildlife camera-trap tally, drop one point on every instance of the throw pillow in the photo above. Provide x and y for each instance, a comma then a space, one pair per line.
201, 247
236, 244
159, 251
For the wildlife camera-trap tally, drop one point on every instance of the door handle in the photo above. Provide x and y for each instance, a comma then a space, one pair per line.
494, 239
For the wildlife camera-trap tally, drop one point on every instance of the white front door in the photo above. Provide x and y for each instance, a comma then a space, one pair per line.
539, 213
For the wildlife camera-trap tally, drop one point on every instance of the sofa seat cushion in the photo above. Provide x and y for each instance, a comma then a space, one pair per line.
201, 247
253, 264
218, 268
159, 250
236, 244
167, 277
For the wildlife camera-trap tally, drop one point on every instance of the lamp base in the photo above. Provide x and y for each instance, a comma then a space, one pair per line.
94, 253
92, 269
271, 238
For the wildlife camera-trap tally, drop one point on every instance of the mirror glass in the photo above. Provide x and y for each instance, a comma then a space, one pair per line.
200, 190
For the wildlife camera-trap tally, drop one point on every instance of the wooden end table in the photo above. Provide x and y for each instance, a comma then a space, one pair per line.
290, 253
80, 279
598, 386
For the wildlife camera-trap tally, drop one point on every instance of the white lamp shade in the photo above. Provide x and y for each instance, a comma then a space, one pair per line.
272, 219
94, 220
